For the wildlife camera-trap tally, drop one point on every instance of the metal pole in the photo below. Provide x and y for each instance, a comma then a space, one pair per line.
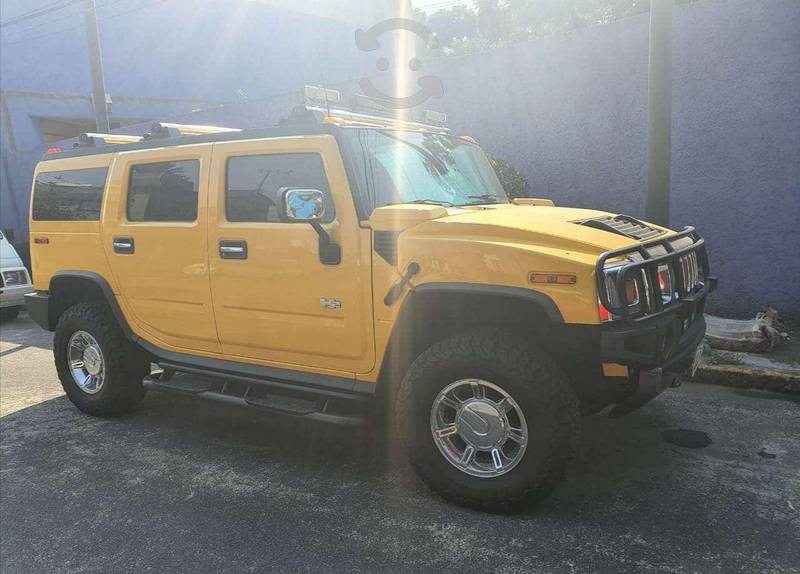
96, 65
659, 112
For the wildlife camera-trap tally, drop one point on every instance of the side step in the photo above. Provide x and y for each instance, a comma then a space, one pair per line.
301, 403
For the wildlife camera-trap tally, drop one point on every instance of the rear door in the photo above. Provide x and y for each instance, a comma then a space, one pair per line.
274, 300
155, 237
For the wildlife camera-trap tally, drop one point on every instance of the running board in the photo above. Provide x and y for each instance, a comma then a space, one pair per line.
299, 403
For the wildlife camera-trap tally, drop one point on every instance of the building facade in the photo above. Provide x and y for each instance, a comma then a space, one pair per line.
162, 59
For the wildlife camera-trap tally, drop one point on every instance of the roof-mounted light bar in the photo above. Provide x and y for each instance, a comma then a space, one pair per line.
320, 97
168, 130
95, 140
347, 118
365, 111
434, 118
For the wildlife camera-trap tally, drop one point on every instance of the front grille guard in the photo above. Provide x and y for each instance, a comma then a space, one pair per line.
650, 302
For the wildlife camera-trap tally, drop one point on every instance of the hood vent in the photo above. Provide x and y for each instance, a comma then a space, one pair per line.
623, 225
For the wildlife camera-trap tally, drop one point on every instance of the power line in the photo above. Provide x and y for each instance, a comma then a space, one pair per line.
78, 26
38, 13
47, 23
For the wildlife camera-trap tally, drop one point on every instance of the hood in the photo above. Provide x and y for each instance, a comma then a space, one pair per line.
541, 225
8, 255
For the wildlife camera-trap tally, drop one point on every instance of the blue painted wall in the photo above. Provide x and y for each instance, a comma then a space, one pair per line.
162, 60
571, 113
198, 49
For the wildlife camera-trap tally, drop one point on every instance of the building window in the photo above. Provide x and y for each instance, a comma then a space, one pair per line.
164, 191
253, 183
73, 195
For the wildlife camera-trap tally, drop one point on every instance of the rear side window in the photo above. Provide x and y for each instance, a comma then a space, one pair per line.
253, 184
73, 195
163, 191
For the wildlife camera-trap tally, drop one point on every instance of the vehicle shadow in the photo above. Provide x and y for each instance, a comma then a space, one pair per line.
23, 332
178, 438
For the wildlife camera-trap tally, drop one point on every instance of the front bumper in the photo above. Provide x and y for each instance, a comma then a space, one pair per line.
653, 343
657, 352
14, 296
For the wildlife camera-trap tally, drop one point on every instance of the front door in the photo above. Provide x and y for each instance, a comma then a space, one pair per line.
155, 237
274, 300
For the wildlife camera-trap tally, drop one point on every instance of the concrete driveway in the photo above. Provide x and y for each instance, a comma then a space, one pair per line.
182, 485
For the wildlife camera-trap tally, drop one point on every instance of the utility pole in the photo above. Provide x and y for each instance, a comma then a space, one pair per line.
96, 65
659, 112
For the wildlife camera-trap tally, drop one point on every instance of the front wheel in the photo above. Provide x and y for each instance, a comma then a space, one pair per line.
488, 420
100, 370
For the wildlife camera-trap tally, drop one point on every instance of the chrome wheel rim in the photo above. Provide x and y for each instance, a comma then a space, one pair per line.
86, 362
479, 428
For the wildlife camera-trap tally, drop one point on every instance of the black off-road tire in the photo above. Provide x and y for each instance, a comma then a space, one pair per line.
535, 382
125, 364
9, 313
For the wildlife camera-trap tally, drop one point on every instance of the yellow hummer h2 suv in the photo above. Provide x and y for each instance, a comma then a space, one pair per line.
343, 264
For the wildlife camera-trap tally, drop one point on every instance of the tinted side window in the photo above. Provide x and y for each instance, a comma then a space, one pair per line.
164, 191
253, 183
73, 195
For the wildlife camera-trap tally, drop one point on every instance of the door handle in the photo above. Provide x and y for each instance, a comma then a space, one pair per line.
232, 249
123, 245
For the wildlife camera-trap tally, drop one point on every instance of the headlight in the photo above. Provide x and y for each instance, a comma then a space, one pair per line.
637, 290
631, 287
14, 278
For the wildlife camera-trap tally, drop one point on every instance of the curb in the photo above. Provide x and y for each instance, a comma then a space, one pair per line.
748, 378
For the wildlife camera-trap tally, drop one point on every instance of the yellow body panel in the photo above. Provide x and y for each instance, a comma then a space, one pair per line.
164, 284
491, 245
268, 306
71, 245
177, 293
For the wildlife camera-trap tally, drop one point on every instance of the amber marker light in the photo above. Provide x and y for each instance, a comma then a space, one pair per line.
553, 278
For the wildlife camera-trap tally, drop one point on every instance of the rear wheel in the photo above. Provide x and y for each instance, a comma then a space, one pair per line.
100, 370
488, 420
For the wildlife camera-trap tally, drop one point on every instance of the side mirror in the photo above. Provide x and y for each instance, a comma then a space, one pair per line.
301, 205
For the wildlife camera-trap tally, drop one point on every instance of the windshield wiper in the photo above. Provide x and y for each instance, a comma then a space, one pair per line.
486, 198
426, 201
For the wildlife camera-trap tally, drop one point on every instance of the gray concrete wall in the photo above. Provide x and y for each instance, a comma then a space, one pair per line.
571, 113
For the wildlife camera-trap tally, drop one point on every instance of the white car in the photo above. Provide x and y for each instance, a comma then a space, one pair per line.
14, 281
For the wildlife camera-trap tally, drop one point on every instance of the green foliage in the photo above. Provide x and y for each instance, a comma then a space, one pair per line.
455, 24
515, 184
494, 23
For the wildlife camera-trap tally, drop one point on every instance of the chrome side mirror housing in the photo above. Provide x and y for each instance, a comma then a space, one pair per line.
302, 205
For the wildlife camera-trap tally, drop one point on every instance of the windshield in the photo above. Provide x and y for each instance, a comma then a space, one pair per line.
396, 167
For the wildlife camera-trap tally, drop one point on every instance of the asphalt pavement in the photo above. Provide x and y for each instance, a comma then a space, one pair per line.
183, 485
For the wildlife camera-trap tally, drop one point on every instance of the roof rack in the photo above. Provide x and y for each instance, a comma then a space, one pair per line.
365, 111
167, 130
90, 139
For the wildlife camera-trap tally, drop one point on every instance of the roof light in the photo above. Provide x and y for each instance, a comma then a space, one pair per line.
52, 150
90, 139
336, 121
319, 96
435, 118
167, 130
